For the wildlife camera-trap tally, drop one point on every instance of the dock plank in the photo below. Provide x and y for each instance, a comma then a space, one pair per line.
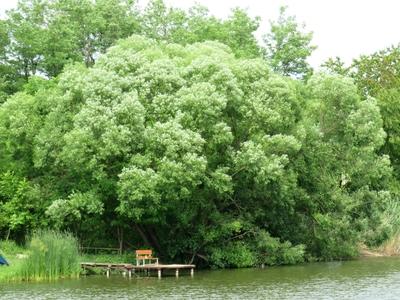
149, 266
132, 267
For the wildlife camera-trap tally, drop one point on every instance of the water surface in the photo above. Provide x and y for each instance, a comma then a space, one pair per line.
373, 278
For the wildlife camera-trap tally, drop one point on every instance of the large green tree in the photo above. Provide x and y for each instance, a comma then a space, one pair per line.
378, 75
346, 179
177, 140
201, 154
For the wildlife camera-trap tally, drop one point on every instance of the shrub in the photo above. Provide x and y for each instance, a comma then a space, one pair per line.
272, 251
335, 238
9, 247
232, 255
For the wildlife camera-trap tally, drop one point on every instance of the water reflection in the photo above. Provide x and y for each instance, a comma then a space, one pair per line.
377, 278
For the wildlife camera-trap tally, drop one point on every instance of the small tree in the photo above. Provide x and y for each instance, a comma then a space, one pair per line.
288, 46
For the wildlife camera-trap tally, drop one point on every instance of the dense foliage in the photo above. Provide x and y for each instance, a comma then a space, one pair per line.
378, 75
41, 37
187, 139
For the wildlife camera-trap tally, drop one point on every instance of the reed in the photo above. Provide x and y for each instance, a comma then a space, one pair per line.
391, 247
51, 255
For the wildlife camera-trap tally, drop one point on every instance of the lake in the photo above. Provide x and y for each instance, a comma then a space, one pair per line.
370, 278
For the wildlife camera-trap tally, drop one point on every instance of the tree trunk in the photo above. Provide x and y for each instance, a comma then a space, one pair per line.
120, 234
155, 244
8, 233
142, 234
149, 237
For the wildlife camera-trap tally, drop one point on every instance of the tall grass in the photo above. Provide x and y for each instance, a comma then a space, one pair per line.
51, 255
391, 247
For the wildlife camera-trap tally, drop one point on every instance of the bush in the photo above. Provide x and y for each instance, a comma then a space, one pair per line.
9, 247
272, 251
232, 255
260, 249
335, 238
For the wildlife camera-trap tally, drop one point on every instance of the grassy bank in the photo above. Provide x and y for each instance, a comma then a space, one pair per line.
48, 255
111, 258
14, 255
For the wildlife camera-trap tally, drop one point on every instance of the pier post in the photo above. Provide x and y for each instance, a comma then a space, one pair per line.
177, 273
192, 272
130, 273
159, 273
108, 272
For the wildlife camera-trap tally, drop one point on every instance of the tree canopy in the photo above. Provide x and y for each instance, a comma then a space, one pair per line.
203, 153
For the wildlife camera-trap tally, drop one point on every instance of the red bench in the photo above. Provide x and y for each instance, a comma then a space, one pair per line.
143, 255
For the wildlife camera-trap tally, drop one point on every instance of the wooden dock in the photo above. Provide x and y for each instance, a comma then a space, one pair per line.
131, 269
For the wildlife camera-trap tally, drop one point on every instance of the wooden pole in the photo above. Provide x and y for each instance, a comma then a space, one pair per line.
108, 272
159, 273
177, 273
130, 273
192, 272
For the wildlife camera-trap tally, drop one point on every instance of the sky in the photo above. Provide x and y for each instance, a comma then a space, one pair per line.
344, 28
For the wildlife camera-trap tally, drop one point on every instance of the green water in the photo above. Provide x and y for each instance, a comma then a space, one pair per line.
374, 278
